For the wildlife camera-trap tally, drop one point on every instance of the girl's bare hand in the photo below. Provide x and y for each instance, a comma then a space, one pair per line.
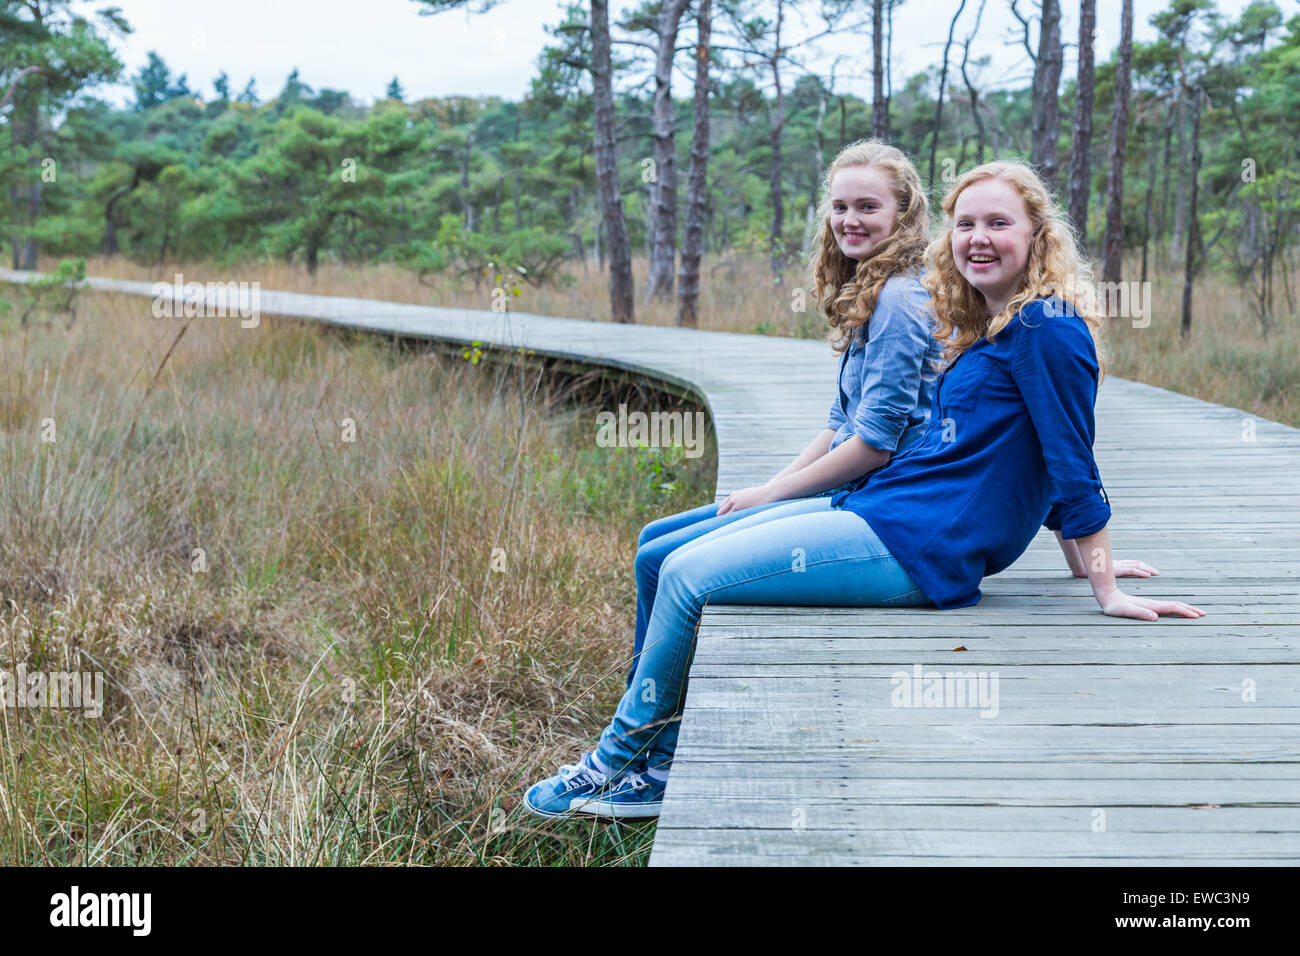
1119, 604
1128, 568
745, 498
1133, 568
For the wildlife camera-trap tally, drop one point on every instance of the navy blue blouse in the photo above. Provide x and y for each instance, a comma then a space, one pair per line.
1008, 449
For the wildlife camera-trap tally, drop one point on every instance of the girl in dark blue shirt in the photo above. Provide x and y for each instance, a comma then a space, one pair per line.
1009, 445
1008, 448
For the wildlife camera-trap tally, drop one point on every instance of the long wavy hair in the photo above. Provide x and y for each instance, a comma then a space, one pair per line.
1055, 268
847, 289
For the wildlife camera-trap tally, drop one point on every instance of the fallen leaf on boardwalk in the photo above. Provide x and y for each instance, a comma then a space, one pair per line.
960, 647
1205, 806
813, 727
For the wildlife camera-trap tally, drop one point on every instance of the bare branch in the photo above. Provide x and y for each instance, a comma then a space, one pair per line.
22, 74
1024, 22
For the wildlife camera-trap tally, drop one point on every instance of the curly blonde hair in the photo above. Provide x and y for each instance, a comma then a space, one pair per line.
847, 289
1056, 267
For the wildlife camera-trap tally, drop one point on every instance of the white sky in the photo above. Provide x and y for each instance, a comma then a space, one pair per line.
360, 47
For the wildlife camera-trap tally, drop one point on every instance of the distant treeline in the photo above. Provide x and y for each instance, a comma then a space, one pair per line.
488, 187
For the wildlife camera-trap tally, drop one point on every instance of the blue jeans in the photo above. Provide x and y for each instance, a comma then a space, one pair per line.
662, 537
801, 552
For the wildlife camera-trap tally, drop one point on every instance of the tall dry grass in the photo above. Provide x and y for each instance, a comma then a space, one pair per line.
308, 655
1228, 360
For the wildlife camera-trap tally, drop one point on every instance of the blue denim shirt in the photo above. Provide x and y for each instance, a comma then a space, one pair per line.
1007, 451
886, 381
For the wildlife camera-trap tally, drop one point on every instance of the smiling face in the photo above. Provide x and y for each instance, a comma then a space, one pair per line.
863, 209
991, 236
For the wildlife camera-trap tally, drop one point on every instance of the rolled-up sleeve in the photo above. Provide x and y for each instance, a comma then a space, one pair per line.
1055, 368
898, 338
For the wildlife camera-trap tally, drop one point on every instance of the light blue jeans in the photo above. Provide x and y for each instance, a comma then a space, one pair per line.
663, 536
801, 552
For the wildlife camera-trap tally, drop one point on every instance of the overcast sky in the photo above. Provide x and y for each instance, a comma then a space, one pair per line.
359, 47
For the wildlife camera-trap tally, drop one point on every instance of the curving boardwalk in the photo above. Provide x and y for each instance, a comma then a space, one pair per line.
1113, 742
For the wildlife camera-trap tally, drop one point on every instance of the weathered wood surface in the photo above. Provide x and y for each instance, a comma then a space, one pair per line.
1113, 743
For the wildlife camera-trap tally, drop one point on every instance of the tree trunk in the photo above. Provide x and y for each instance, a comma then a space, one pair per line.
1191, 265
970, 88
663, 204
30, 249
943, 80
1047, 83
620, 253
819, 164
879, 107
1081, 142
1180, 193
889, 59
519, 223
688, 294
467, 207
23, 132
166, 237
1149, 221
1112, 256
1164, 192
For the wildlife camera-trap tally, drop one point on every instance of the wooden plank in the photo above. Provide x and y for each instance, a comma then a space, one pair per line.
865, 845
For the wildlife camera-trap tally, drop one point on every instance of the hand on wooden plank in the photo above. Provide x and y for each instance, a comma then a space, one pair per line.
1127, 568
1119, 604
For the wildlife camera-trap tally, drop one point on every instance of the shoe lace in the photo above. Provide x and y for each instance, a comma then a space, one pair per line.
575, 774
634, 780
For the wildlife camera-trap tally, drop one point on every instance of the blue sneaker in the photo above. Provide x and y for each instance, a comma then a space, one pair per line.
557, 796
629, 796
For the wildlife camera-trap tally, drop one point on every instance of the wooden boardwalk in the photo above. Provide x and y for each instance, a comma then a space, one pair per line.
1113, 742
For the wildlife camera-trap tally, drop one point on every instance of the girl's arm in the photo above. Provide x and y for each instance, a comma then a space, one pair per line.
816, 448
1128, 568
1113, 601
852, 458
1071, 551
1054, 364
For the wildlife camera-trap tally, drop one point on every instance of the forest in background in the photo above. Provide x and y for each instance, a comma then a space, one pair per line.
1179, 154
